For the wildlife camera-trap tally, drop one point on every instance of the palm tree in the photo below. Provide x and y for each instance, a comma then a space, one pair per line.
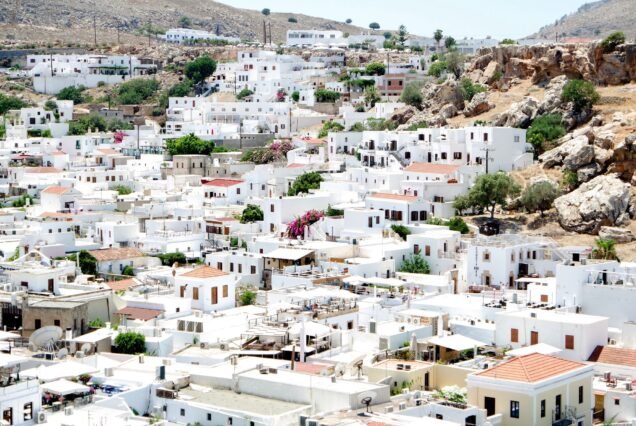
438, 35
605, 249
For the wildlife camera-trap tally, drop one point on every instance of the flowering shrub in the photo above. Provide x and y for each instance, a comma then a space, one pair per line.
295, 227
276, 151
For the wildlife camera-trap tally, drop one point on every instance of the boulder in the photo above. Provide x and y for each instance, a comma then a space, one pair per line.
403, 115
588, 172
603, 201
492, 71
602, 156
448, 111
552, 97
572, 154
620, 235
478, 105
520, 114
604, 139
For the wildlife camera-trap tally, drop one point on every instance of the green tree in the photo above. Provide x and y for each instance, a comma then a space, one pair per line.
438, 35
412, 94
252, 213
123, 190
348, 21
292, 20
247, 297
458, 224
325, 95
181, 89
23, 201
401, 230
374, 26
450, 43
128, 270
605, 249
295, 95
455, 62
71, 93
507, 41
417, 125
10, 102
492, 190
331, 212
375, 68
403, 35
612, 41
169, 259
200, 69
415, 264
50, 105
136, 91
87, 262
96, 323
185, 22
244, 93
545, 129
581, 93
437, 68
130, 342
387, 35
266, 12
470, 89
371, 96
188, 145
304, 183
539, 197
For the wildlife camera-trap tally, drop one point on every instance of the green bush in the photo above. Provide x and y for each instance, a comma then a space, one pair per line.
415, 264
189, 145
71, 93
50, 105
470, 89
136, 91
22, 201
539, 197
570, 180
252, 213
545, 128
437, 68
169, 259
181, 89
97, 123
331, 212
10, 102
612, 41
330, 126
375, 68
325, 95
87, 262
412, 94
581, 93
295, 96
292, 20
417, 125
401, 230
304, 183
457, 224
130, 342
244, 94
378, 124
123, 190
507, 41
247, 297
128, 270
96, 323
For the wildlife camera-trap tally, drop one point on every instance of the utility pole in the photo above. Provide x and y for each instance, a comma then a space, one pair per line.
149, 31
269, 24
117, 33
95, 30
264, 33
488, 151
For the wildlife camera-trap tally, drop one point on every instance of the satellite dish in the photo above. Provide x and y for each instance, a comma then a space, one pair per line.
86, 348
62, 353
46, 337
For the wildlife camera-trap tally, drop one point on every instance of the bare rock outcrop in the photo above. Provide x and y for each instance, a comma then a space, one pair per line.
620, 235
603, 201
478, 105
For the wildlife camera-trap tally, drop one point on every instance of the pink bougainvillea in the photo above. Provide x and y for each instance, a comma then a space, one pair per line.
119, 136
296, 227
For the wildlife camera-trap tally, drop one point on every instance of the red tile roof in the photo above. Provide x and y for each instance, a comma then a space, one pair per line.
116, 254
531, 368
431, 168
614, 355
139, 313
57, 215
42, 170
205, 272
108, 151
56, 190
398, 197
123, 284
223, 182
296, 166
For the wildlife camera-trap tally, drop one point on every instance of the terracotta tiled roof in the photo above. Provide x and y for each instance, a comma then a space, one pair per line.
296, 166
42, 170
614, 355
223, 182
139, 313
56, 190
531, 368
398, 197
55, 153
223, 219
57, 215
123, 284
108, 151
204, 272
431, 168
103, 255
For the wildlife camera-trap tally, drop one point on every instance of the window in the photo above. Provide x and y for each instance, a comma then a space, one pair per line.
219, 266
514, 335
209, 417
271, 208
38, 323
580, 394
617, 401
427, 250
56, 323
252, 269
225, 290
485, 137
543, 408
195, 293
183, 412
240, 268
514, 409
486, 256
414, 215
569, 341
534, 337
231, 267
215, 295
416, 249
182, 291
28, 411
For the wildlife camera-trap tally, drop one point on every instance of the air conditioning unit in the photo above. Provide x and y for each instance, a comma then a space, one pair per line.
612, 341
388, 409
204, 345
402, 406
223, 346
68, 411
628, 386
42, 417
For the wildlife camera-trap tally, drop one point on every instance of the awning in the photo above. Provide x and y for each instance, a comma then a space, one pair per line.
313, 329
5, 335
288, 254
456, 342
64, 387
60, 370
139, 313
544, 280
540, 348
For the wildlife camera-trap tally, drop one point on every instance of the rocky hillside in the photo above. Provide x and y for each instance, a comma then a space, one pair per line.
596, 20
72, 20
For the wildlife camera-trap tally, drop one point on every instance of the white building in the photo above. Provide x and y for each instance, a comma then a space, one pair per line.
210, 289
